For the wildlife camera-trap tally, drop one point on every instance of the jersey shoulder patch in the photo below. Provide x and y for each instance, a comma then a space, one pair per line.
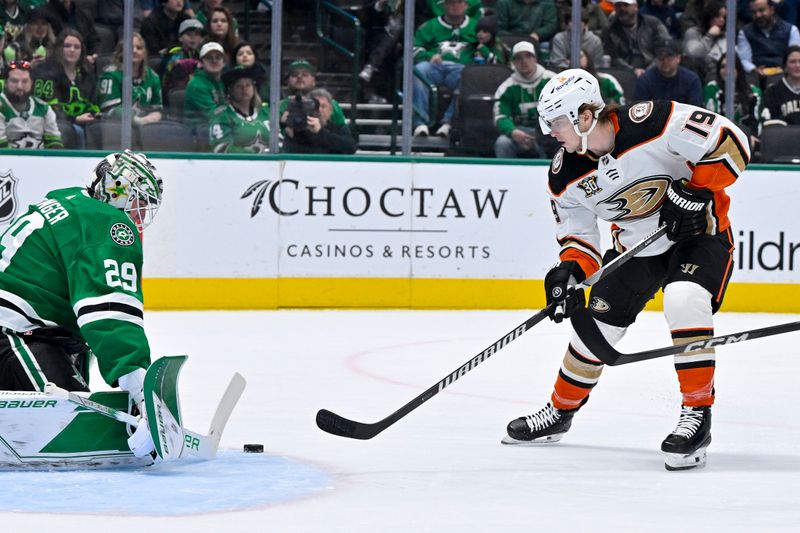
566, 168
641, 122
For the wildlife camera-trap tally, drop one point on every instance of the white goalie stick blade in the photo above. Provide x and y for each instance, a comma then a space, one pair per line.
206, 446
195, 444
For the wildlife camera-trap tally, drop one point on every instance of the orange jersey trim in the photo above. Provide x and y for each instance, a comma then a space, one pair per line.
586, 262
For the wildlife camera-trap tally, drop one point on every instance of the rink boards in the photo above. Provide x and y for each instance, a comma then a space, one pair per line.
265, 232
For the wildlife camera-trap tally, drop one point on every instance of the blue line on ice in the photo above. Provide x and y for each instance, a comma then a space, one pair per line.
234, 481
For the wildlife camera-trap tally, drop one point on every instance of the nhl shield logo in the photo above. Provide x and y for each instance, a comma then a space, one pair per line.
8, 196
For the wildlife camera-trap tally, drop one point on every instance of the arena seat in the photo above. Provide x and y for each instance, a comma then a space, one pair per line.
779, 144
474, 122
166, 136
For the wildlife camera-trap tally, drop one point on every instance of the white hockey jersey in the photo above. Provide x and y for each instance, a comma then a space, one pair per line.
656, 142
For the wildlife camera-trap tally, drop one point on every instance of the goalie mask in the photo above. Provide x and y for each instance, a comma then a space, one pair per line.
563, 96
129, 182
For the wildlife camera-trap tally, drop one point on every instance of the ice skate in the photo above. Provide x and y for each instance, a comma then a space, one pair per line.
685, 447
546, 426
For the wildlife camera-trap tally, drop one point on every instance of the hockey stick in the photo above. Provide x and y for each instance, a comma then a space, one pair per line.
586, 328
203, 446
338, 425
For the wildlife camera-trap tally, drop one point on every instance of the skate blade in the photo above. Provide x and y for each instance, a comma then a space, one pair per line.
549, 439
675, 462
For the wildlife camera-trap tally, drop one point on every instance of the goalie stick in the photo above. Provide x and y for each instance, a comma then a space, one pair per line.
586, 328
334, 424
196, 444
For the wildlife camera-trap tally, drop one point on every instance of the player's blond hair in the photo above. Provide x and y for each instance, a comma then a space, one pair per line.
604, 113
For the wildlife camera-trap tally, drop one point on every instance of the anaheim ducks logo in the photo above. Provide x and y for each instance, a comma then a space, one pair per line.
598, 305
639, 112
640, 199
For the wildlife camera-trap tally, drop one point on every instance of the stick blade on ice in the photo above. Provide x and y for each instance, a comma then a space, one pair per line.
342, 427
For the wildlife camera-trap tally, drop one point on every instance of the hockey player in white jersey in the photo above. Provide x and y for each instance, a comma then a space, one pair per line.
640, 166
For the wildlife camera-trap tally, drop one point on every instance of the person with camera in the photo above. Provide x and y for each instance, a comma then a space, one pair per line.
241, 126
301, 80
309, 129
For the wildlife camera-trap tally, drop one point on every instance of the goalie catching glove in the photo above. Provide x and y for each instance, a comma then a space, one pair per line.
141, 440
685, 211
559, 286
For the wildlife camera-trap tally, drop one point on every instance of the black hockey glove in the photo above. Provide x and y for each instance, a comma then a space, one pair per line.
684, 211
559, 287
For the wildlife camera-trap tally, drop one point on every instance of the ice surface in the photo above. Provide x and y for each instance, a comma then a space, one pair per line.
441, 468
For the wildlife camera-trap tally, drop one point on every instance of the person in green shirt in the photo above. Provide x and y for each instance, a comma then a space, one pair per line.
205, 91
302, 79
515, 105
147, 104
71, 280
242, 125
538, 19
442, 46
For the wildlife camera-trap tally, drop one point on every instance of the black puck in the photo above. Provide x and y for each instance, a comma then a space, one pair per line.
254, 448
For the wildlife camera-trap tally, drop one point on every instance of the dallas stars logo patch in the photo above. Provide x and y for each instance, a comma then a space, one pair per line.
122, 234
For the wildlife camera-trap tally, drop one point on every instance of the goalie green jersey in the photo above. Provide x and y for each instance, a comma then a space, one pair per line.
76, 262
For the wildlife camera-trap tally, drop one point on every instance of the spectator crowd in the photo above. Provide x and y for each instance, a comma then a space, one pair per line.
62, 69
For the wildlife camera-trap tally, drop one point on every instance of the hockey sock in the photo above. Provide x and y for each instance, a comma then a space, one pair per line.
695, 370
576, 378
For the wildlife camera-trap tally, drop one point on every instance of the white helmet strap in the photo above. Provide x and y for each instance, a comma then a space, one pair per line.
585, 135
